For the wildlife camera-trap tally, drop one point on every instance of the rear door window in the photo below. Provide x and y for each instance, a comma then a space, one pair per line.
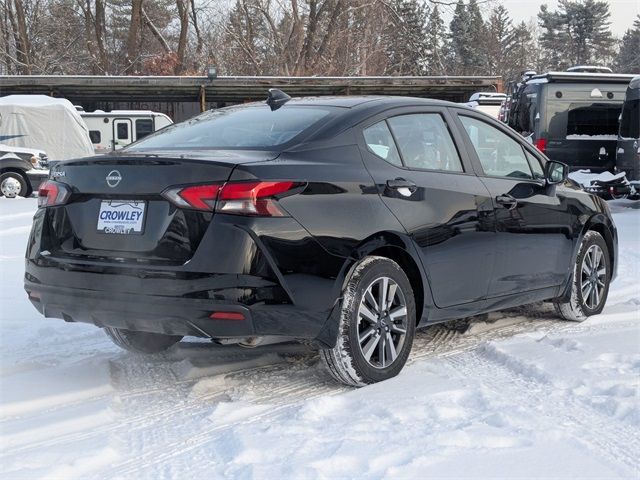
380, 142
425, 143
122, 131
580, 120
499, 154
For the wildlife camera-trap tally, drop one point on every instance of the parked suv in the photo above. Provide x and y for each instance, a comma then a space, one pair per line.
346, 221
571, 116
22, 170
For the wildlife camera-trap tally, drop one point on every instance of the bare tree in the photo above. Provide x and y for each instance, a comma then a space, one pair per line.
132, 58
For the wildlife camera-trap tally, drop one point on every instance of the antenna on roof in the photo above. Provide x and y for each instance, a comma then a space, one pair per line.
277, 98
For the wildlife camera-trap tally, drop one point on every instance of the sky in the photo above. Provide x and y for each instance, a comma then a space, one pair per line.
623, 12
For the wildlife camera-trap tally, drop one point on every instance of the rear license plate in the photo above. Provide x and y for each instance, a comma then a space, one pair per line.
124, 217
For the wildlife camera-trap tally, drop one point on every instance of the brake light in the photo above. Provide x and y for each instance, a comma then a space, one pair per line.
253, 198
198, 197
541, 144
52, 193
237, 198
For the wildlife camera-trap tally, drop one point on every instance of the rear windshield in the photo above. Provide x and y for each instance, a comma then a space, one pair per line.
583, 120
630, 120
235, 127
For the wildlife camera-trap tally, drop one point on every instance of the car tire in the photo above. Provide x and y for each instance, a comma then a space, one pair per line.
13, 184
373, 343
590, 283
141, 342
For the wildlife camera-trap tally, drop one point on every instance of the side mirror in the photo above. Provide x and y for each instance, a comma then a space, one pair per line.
555, 172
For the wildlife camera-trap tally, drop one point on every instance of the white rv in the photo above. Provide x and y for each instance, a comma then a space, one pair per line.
118, 128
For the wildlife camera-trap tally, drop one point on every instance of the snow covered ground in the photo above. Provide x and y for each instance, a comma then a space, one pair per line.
523, 395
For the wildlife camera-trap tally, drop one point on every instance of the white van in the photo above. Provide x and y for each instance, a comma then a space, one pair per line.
118, 128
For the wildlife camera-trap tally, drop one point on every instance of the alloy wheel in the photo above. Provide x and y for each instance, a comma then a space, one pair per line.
382, 322
593, 277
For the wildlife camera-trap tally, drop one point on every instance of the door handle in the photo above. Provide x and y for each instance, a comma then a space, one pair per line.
507, 201
402, 186
401, 183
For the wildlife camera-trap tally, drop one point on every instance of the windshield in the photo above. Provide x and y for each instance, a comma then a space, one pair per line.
630, 120
235, 127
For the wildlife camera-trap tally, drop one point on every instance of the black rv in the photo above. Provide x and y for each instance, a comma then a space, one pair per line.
572, 116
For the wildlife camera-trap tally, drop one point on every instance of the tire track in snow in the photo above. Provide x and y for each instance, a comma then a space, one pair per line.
299, 380
614, 441
443, 342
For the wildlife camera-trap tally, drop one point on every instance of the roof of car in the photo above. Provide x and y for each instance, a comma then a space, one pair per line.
635, 82
354, 101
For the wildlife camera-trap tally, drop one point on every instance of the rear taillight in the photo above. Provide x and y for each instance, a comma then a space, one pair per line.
52, 193
197, 197
253, 198
237, 198
541, 144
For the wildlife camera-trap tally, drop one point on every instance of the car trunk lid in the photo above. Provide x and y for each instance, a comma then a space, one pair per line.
130, 187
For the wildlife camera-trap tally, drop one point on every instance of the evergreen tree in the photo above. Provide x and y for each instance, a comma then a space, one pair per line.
405, 38
434, 44
500, 41
459, 40
576, 34
477, 60
467, 38
522, 54
628, 59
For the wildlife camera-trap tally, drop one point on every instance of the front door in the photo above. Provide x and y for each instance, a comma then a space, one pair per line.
429, 186
535, 245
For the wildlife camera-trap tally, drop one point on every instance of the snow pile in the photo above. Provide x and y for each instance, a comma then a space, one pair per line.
593, 137
519, 394
586, 177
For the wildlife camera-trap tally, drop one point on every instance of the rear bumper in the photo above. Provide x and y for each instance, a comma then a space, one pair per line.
172, 315
269, 269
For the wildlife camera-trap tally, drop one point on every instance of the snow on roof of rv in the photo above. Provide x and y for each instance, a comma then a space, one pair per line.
35, 101
580, 77
590, 69
121, 112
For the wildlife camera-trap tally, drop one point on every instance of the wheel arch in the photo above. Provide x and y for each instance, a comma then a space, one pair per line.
395, 246
399, 248
602, 224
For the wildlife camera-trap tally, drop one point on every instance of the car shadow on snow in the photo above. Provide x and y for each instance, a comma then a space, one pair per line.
278, 373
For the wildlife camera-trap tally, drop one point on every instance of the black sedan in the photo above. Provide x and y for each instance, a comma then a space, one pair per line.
345, 221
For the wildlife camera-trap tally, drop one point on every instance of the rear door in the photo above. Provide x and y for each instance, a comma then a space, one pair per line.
426, 181
534, 240
580, 124
122, 132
